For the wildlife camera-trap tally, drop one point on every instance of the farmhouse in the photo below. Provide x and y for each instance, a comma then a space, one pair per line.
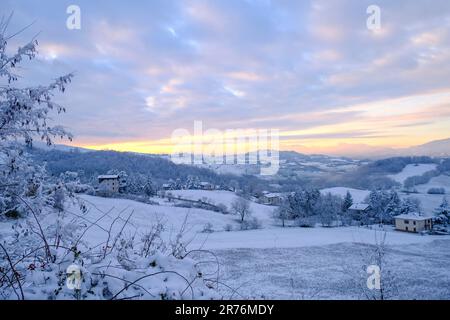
359, 208
206, 186
412, 223
109, 183
167, 186
273, 199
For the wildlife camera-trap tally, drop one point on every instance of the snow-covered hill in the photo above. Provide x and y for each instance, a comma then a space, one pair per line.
269, 236
411, 170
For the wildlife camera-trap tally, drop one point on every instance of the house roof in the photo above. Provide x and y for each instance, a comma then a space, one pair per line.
273, 195
359, 206
412, 216
109, 176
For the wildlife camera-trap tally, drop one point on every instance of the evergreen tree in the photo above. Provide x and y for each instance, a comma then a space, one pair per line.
411, 205
443, 209
393, 207
348, 202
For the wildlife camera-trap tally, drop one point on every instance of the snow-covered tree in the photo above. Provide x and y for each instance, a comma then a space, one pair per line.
383, 205
24, 117
443, 211
303, 203
282, 213
411, 205
393, 207
193, 182
241, 207
149, 187
348, 202
329, 208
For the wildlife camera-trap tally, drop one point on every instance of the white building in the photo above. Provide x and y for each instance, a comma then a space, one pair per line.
273, 199
413, 223
109, 183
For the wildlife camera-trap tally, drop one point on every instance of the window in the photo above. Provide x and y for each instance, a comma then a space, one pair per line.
406, 228
414, 229
406, 221
414, 223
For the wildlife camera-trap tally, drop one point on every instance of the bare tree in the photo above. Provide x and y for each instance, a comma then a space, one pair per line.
282, 213
241, 207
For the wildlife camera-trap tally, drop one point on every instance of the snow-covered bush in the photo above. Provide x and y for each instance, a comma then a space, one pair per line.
307, 222
208, 228
436, 191
123, 269
251, 224
222, 208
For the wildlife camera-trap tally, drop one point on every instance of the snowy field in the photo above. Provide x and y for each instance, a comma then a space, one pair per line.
411, 170
275, 262
260, 211
298, 263
269, 236
442, 181
330, 271
429, 201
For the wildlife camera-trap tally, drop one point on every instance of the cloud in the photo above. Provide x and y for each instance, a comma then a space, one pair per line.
145, 69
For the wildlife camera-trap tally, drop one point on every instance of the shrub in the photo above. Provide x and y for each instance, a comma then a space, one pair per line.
208, 228
307, 222
251, 224
13, 214
436, 191
222, 208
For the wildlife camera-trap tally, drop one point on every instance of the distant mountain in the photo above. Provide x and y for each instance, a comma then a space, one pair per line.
437, 148
354, 151
60, 147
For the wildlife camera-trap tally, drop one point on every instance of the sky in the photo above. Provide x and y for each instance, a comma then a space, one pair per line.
311, 69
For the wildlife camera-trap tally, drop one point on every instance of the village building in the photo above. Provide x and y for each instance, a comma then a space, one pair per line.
272, 199
413, 223
166, 186
359, 208
206, 186
109, 183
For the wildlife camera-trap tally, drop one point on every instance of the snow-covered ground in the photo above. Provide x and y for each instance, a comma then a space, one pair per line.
269, 236
429, 202
304, 237
330, 271
260, 211
411, 170
274, 262
441, 181
301, 263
